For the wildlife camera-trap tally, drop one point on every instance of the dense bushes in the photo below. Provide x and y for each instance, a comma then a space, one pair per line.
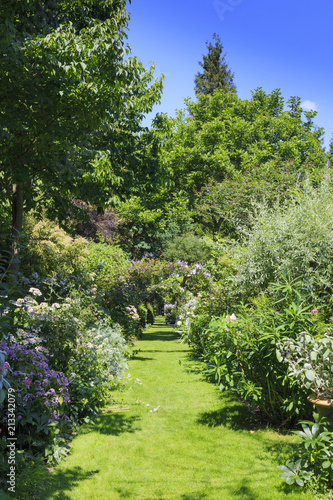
61, 354
278, 285
294, 240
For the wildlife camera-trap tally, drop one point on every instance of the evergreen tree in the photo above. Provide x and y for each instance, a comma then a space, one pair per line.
216, 74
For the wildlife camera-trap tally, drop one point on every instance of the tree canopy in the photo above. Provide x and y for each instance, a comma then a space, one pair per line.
72, 99
222, 136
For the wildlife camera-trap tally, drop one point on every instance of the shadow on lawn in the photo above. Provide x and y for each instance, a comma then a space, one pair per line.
160, 335
243, 490
141, 358
114, 424
127, 493
234, 415
194, 496
62, 481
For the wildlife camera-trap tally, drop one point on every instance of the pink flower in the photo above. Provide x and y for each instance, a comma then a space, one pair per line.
5, 365
27, 381
314, 311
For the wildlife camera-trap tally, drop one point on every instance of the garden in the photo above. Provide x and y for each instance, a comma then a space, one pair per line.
166, 293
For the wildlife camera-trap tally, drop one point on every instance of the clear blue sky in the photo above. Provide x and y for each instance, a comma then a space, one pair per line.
286, 44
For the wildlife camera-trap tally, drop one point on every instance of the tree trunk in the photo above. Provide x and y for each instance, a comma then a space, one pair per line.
17, 222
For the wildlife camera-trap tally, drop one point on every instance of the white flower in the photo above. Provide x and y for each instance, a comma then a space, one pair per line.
35, 291
233, 317
178, 323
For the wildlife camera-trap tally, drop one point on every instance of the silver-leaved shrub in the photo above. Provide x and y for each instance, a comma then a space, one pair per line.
294, 240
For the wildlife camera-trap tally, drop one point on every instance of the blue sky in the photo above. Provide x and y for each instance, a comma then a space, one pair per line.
286, 44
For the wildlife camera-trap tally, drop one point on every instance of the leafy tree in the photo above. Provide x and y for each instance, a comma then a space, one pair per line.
71, 104
216, 75
225, 207
223, 136
146, 226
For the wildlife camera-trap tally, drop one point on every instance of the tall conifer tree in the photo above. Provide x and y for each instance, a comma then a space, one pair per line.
216, 73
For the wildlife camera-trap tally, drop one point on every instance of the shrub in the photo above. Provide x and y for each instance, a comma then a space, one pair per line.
312, 464
241, 356
293, 240
170, 313
41, 396
187, 247
50, 249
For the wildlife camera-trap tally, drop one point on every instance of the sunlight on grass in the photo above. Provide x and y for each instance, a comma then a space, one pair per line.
173, 436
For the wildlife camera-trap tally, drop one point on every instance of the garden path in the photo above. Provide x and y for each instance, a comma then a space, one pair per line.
172, 436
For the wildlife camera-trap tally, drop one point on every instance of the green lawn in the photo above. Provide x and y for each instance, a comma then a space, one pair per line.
173, 436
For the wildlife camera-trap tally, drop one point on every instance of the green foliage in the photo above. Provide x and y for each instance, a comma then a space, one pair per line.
102, 263
240, 353
50, 249
294, 240
310, 362
9, 284
330, 154
223, 136
31, 477
129, 292
227, 207
99, 360
295, 472
73, 127
216, 74
313, 462
187, 247
146, 226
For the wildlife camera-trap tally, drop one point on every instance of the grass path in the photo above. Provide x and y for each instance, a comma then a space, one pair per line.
188, 444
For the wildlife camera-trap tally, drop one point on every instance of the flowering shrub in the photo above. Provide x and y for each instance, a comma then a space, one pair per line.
4, 370
49, 328
99, 360
170, 313
186, 315
112, 350
39, 392
136, 286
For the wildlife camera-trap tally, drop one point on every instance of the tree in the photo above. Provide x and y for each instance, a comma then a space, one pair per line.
146, 225
72, 100
216, 75
225, 207
222, 136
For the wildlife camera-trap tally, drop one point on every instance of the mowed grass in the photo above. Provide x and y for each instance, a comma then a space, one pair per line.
173, 436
